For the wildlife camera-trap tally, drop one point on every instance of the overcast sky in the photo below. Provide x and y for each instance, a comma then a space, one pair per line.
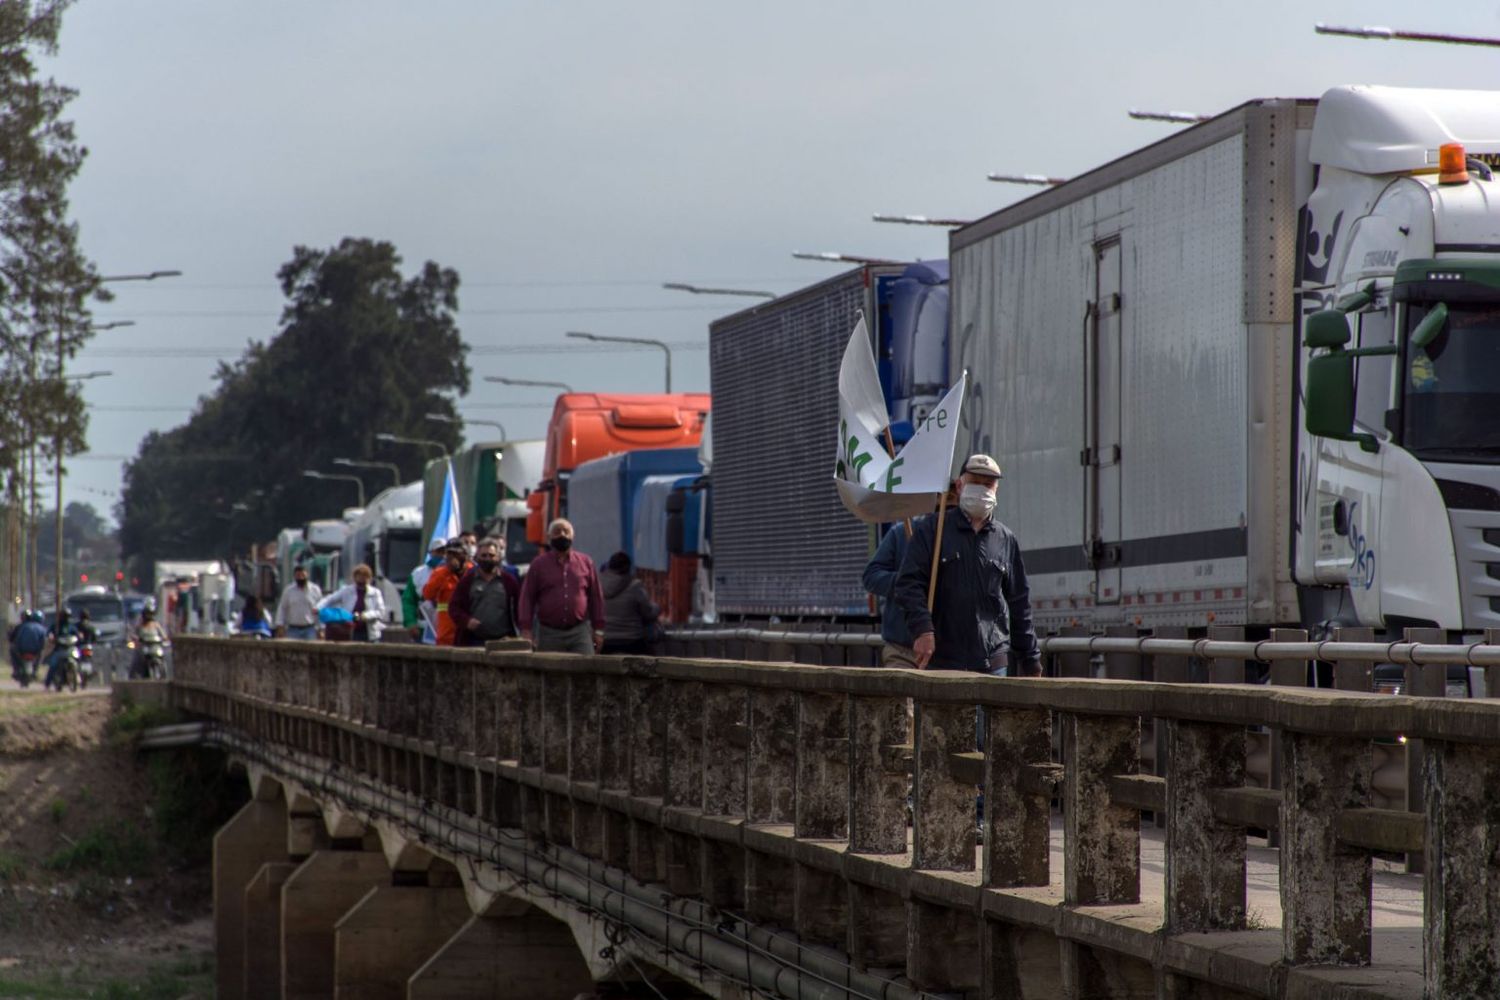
568, 157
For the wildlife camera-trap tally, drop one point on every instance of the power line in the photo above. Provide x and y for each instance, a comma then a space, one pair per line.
211, 353
519, 283
538, 311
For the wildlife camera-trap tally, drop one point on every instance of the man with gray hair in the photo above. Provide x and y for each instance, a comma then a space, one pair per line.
561, 602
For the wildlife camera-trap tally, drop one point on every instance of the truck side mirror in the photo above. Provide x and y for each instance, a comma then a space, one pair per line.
1326, 328
1432, 324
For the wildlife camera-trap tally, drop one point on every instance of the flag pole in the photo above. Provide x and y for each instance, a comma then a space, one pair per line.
937, 550
890, 446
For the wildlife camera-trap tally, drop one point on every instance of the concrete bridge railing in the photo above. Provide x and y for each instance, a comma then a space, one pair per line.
804, 797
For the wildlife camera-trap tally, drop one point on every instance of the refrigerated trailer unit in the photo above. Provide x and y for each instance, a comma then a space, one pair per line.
783, 544
1135, 345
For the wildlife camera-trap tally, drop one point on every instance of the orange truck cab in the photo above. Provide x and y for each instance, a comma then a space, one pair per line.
589, 425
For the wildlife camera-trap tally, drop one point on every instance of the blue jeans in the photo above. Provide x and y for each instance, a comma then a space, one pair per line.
302, 631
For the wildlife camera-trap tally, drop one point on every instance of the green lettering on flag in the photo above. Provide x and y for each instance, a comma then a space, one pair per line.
891, 479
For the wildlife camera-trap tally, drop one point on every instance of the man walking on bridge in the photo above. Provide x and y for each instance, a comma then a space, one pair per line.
980, 618
561, 594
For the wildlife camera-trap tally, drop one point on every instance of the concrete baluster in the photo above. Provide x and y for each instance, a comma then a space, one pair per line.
1205, 858
1353, 675
556, 739
584, 749
822, 812
771, 784
726, 744
684, 783
1423, 681
1325, 888
1074, 664
880, 751
648, 735
1226, 670
614, 765
1018, 787
944, 810
1461, 878
1102, 841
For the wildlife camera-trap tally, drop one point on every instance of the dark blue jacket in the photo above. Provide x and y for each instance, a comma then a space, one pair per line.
31, 637
983, 605
880, 580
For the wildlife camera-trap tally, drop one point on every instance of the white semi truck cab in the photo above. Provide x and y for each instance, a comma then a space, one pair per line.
1399, 448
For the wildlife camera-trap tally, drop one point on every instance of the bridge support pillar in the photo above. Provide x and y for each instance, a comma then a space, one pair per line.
389, 934
530, 956
262, 937
256, 835
315, 896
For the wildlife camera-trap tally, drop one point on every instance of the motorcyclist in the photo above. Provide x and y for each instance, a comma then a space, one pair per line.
65, 628
149, 628
30, 636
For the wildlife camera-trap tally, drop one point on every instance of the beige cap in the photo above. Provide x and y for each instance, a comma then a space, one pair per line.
982, 465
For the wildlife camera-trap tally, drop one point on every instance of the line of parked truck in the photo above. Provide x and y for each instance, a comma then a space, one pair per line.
1245, 375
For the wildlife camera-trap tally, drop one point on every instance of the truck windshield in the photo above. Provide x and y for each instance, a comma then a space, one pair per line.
403, 550
100, 609
1452, 386
518, 550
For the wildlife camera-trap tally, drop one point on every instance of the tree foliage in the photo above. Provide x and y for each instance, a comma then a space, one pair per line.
46, 283
362, 350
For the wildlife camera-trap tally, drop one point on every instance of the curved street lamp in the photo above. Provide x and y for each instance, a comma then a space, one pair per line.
443, 418
534, 383
601, 338
682, 286
355, 463
424, 442
358, 482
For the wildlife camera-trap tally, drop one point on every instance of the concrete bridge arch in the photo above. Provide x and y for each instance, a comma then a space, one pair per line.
312, 899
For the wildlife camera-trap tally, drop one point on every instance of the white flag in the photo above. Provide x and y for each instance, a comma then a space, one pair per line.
874, 486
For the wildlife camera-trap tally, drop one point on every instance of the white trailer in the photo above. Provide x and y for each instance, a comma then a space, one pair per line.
1133, 339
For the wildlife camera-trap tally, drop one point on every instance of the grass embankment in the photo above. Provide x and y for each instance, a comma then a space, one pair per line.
172, 980
104, 882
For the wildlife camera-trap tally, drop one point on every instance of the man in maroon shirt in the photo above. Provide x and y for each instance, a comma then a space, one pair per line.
561, 596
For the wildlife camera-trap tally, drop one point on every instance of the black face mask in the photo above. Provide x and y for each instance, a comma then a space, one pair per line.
486, 565
562, 544
301, 581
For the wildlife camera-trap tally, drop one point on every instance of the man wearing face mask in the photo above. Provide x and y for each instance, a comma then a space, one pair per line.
483, 606
562, 596
297, 611
981, 617
441, 585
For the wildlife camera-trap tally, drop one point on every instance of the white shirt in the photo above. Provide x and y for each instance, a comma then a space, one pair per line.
374, 613
298, 606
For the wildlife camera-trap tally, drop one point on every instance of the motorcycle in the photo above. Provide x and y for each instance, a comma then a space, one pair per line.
153, 655
67, 648
85, 672
25, 672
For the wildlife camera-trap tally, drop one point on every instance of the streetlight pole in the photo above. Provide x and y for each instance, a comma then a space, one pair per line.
57, 523
601, 338
358, 482
57, 438
391, 467
424, 442
442, 418
534, 383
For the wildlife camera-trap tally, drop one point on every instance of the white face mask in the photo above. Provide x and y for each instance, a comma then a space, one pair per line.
976, 501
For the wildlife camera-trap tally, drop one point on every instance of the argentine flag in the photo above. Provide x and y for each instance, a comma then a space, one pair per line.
449, 520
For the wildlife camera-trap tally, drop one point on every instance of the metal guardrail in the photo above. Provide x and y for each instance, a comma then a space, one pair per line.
1402, 652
